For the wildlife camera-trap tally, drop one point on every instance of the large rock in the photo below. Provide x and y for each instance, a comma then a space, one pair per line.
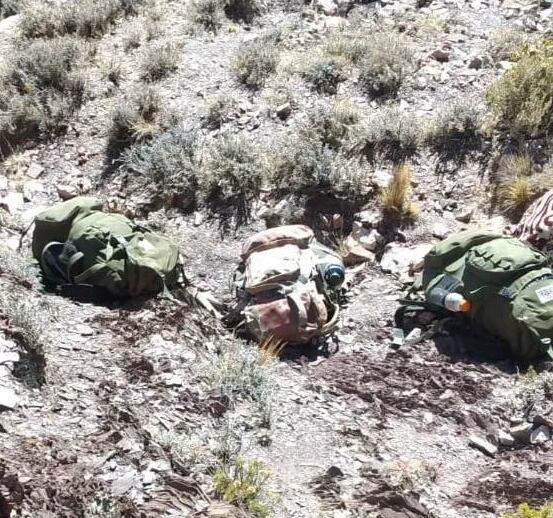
9, 24
402, 259
12, 202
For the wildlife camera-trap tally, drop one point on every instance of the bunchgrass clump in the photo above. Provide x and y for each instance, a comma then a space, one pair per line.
244, 484
519, 165
390, 132
85, 18
520, 99
169, 165
396, 197
515, 195
256, 60
158, 61
389, 58
233, 173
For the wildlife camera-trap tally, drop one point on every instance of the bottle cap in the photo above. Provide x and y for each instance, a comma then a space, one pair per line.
464, 306
334, 276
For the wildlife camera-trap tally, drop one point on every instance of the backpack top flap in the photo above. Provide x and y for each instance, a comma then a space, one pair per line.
299, 235
54, 224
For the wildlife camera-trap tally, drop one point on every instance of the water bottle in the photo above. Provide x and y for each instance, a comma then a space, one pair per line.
330, 266
449, 300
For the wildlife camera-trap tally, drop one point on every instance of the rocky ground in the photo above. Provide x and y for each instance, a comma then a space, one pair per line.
136, 404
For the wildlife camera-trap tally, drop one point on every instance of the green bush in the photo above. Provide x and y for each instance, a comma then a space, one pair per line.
256, 60
324, 75
524, 510
521, 99
233, 173
389, 58
504, 43
244, 484
169, 165
85, 18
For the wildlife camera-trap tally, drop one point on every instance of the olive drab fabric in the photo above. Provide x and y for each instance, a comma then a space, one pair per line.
508, 283
106, 250
279, 285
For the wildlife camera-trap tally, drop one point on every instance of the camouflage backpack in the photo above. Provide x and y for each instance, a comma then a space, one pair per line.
76, 243
286, 283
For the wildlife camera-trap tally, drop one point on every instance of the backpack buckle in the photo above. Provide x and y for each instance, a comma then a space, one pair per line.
507, 293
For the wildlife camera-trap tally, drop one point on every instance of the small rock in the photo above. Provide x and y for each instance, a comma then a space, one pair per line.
369, 218
66, 192
159, 465
381, 178
440, 55
8, 398
3, 183
283, 111
35, 170
148, 477
466, 216
198, 219
483, 445
398, 258
84, 330
506, 439
31, 188
475, 63
12, 202
521, 432
440, 230
327, 7
370, 239
540, 435
9, 24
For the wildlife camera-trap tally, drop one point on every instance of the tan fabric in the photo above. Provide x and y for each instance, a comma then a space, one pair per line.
299, 235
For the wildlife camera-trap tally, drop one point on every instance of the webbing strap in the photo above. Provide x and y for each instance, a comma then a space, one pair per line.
298, 303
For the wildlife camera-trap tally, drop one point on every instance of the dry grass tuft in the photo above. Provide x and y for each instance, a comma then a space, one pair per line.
515, 195
396, 197
256, 60
208, 14
158, 61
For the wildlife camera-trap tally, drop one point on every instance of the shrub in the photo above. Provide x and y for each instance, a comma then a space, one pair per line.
244, 484
169, 164
388, 59
306, 164
504, 43
353, 45
10, 7
209, 14
138, 117
391, 132
396, 196
459, 120
330, 122
86, 18
17, 265
242, 10
524, 510
256, 60
158, 61
521, 98
219, 109
233, 173
324, 75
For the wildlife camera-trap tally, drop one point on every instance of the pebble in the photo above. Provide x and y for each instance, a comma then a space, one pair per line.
483, 445
540, 435
8, 398
506, 439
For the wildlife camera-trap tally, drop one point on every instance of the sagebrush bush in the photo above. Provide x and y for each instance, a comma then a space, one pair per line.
330, 122
460, 120
158, 61
85, 18
136, 118
300, 163
521, 98
524, 510
391, 132
256, 60
233, 173
396, 197
503, 44
10, 7
324, 74
219, 109
169, 165
208, 14
389, 58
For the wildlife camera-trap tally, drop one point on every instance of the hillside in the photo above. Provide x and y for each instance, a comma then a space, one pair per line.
208, 120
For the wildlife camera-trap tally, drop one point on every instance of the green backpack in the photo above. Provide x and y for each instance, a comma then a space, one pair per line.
76, 243
508, 284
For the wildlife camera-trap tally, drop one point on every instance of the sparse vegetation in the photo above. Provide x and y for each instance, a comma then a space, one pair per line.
219, 109
503, 44
389, 58
516, 166
524, 510
168, 163
103, 506
85, 18
396, 197
458, 122
208, 14
390, 132
10, 7
352, 45
521, 98
17, 264
158, 61
256, 60
233, 173
244, 484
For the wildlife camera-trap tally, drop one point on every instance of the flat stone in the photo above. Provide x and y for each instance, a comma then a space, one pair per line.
398, 258
35, 170
9, 24
483, 445
540, 435
475, 63
159, 465
8, 398
9, 357
66, 191
13, 202
440, 55
3, 183
84, 330
505, 439
284, 111
521, 432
